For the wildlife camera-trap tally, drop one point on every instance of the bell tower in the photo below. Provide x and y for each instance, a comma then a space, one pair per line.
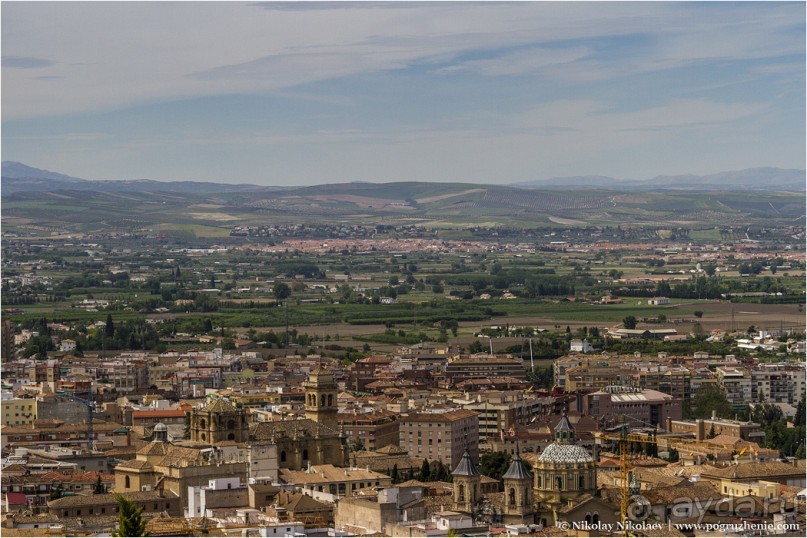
466, 478
320, 398
518, 494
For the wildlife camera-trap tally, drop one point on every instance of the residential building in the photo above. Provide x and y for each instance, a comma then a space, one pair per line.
639, 407
326, 482
736, 385
17, 411
375, 429
441, 436
461, 367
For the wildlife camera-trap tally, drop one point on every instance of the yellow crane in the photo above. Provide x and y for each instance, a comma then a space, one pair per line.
627, 440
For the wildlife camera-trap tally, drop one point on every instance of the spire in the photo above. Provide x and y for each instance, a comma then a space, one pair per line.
517, 469
564, 432
466, 466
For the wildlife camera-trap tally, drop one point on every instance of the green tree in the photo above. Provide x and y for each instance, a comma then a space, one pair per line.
425, 471
629, 322
56, 492
494, 464
282, 291
710, 398
110, 326
99, 487
698, 313
394, 474
130, 522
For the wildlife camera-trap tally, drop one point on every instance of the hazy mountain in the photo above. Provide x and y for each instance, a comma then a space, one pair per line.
18, 177
749, 179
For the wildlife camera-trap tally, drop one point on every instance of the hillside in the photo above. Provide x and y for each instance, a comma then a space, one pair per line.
60, 203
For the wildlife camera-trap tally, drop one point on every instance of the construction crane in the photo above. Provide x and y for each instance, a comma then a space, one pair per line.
89, 404
627, 440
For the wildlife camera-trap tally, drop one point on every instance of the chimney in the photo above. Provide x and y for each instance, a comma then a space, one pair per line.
669, 424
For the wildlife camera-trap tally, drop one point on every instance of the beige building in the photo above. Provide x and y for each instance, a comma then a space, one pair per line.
18, 411
441, 436
326, 482
757, 488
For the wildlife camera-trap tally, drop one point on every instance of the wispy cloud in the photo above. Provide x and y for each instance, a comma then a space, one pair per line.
22, 62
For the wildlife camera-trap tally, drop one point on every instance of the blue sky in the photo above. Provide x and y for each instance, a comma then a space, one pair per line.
306, 93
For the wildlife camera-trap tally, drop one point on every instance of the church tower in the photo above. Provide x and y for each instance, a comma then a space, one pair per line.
518, 495
466, 478
320, 398
218, 421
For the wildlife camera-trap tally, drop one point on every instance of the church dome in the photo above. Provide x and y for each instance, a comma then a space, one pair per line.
565, 453
160, 427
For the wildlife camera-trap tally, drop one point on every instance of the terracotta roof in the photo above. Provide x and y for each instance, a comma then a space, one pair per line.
110, 498
135, 464
764, 469
329, 473
301, 427
301, 502
700, 491
160, 413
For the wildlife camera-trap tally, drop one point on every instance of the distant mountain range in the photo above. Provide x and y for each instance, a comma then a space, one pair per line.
18, 177
749, 179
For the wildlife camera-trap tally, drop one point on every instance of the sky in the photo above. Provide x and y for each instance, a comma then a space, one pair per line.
305, 93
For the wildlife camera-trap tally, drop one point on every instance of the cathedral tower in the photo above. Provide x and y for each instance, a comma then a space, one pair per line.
320, 398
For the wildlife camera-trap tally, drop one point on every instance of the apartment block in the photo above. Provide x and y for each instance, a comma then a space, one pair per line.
441, 436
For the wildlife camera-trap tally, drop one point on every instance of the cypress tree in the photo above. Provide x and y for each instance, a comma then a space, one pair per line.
129, 521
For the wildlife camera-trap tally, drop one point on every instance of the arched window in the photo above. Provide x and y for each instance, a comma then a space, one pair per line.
230, 424
330, 400
559, 483
511, 497
322, 401
305, 454
582, 483
202, 424
460, 498
540, 481
595, 519
282, 455
204, 437
588, 518
126, 483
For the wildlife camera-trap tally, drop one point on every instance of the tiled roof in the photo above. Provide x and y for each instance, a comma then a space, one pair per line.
756, 470
301, 427
565, 453
109, 498
329, 473
135, 464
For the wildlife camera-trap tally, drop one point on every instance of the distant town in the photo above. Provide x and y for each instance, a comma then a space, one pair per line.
330, 380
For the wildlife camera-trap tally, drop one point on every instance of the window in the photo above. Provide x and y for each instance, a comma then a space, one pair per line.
282, 455
126, 483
